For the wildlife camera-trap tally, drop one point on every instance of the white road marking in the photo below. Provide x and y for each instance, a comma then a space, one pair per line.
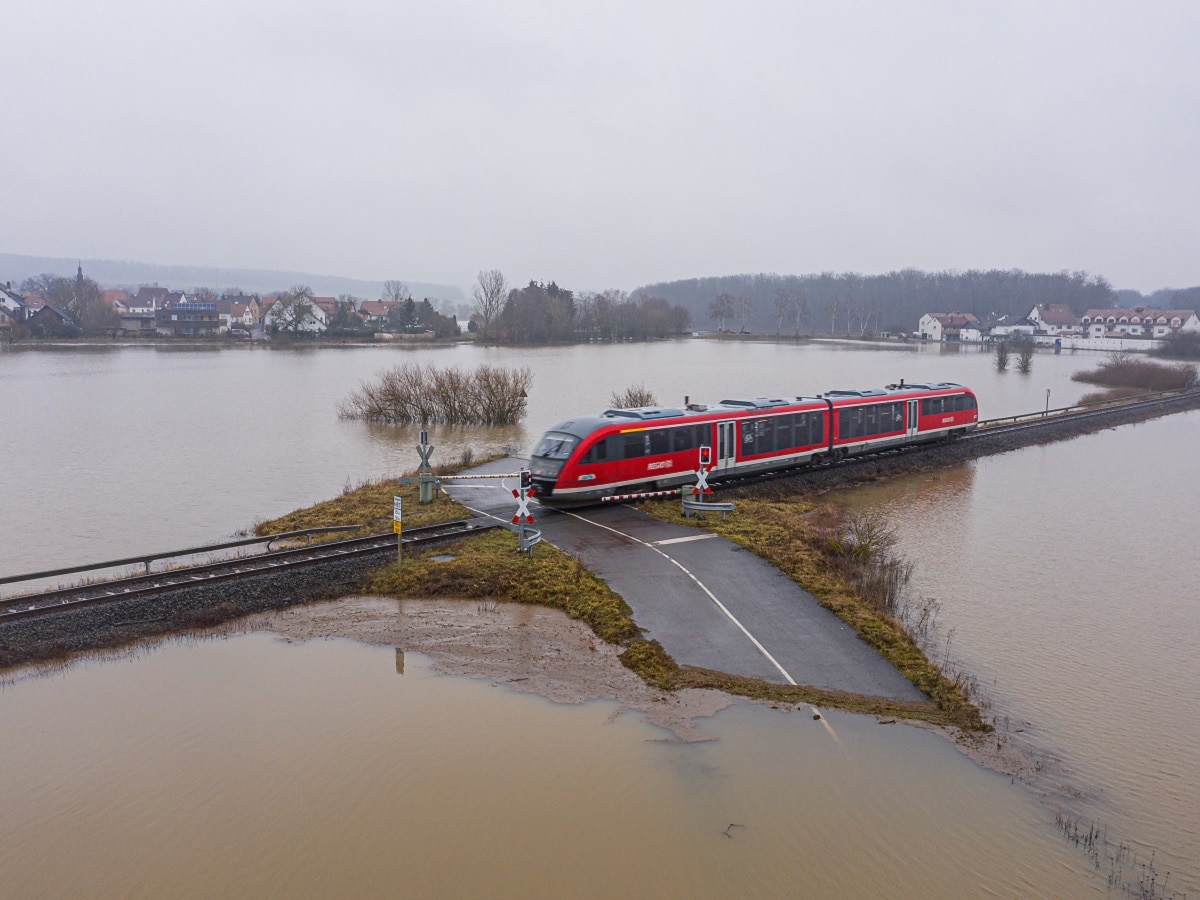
684, 540
700, 584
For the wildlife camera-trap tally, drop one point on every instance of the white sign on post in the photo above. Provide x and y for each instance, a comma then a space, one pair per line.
397, 515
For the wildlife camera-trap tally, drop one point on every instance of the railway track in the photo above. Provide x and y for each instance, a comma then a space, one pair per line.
78, 596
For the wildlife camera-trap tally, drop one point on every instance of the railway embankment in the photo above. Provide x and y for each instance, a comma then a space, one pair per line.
179, 608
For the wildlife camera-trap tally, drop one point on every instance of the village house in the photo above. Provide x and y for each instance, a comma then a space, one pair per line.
12, 302
376, 312
308, 318
1055, 319
1138, 322
946, 326
177, 318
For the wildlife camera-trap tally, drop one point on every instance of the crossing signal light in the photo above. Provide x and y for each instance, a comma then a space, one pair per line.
706, 456
526, 480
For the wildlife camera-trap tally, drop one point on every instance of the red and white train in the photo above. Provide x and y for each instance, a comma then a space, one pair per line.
584, 459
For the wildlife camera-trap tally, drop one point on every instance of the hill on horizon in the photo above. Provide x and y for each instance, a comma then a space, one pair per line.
123, 274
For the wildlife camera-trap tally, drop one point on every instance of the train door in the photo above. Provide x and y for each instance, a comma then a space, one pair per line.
912, 417
725, 446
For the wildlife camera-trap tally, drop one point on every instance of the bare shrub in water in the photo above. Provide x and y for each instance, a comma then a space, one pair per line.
1002, 355
412, 393
632, 397
1123, 370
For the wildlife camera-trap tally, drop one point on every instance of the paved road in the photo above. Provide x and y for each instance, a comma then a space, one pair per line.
706, 600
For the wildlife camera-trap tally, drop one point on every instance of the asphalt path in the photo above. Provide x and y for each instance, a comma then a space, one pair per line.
708, 602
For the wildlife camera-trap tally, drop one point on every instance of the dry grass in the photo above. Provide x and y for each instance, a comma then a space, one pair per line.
1094, 398
371, 504
488, 567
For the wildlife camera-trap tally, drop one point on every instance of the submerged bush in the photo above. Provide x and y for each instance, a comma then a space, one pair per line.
411, 393
1121, 370
634, 396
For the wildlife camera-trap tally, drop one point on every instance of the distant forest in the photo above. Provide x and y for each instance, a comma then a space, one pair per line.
860, 305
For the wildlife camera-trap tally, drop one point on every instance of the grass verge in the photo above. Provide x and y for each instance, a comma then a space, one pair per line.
488, 567
370, 504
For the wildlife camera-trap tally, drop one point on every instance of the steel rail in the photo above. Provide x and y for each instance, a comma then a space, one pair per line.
77, 596
147, 558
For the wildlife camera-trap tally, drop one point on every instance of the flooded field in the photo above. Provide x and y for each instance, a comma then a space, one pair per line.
248, 766
1066, 576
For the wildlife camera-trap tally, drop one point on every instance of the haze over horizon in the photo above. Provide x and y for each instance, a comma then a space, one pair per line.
607, 147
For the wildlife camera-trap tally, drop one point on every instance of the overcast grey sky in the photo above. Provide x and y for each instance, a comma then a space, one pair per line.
607, 144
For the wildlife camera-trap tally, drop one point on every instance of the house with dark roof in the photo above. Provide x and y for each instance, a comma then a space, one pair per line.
12, 302
50, 321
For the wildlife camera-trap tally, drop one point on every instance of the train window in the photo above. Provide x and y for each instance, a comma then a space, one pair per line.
748, 445
764, 435
681, 438
850, 422
598, 452
660, 442
971, 404
783, 432
870, 421
634, 445
556, 445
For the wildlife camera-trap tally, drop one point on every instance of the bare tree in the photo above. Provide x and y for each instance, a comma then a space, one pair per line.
745, 306
490, 292
396, 291
800, 310
721, 309
204, 295
783, 305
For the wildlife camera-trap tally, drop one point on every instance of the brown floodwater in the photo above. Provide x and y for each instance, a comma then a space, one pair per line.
1069, 584
248, 766
1067, 576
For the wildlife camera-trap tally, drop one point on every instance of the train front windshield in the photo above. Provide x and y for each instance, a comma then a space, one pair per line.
551, 452
556, 446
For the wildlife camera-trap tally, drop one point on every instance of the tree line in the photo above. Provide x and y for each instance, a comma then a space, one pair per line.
545, 312
863, 305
